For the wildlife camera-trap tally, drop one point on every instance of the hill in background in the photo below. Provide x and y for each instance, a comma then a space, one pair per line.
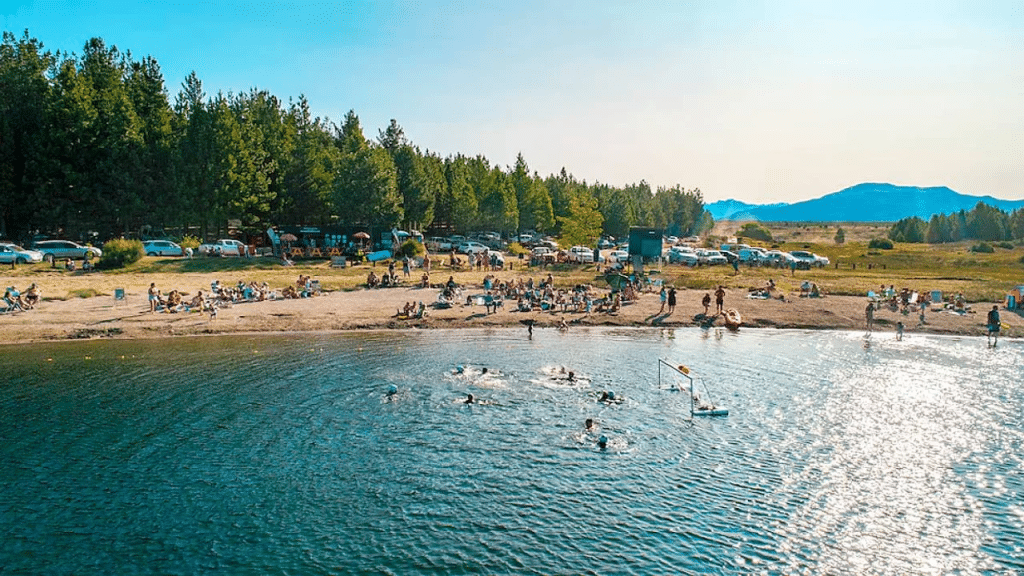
861, 203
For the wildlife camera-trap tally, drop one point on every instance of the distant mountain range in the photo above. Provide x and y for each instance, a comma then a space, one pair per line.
861, 203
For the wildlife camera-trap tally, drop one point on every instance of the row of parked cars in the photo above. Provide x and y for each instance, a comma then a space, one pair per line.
48, 250
51, 250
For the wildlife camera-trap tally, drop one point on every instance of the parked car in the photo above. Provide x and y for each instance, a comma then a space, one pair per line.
61, 249
752, 255
224, 247
711, 257
618, 255
779, 259
162, 248
683, 255
581, 254
434, 243
470, 247
14, 254
810, 258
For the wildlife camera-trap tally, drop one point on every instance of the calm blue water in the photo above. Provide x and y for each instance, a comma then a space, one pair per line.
283, 455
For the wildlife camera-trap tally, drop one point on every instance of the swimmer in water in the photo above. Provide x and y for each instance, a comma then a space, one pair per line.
589, 424
572, 377
484, 371
459, 369
392, 390
602, 442
469, 399
607, 396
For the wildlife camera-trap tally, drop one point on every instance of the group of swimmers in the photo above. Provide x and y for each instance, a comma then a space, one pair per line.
606, 397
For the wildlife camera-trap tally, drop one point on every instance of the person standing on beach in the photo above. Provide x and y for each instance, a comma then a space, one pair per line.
994, 324
671, 300
152, 297
706, 302
719, 299
663, 295
869, 315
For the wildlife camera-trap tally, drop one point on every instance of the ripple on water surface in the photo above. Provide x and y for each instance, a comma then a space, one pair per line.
841, 454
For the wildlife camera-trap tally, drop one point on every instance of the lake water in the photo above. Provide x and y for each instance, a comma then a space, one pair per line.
285, 455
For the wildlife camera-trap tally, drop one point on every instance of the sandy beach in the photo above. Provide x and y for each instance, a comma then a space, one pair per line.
61, 317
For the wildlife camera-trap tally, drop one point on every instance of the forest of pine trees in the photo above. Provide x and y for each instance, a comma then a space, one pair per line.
91, 146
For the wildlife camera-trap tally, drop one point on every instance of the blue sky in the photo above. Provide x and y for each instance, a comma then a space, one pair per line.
760, 101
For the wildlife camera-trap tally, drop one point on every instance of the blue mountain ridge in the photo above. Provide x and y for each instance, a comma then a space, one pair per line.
868, 202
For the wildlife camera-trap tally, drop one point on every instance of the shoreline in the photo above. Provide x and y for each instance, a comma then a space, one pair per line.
103, 317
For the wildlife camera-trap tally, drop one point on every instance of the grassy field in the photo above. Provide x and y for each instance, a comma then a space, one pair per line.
951, 268
947, 267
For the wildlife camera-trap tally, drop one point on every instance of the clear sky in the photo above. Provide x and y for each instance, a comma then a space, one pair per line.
774, 101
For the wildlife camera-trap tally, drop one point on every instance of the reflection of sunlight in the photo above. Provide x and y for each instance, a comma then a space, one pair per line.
888, 499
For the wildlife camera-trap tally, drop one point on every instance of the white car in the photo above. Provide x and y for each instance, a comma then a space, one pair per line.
711, 257
779, 259
61, 249
581, 254
810, 258
224, 247
14, 254
470, 247
682, 255
162, 248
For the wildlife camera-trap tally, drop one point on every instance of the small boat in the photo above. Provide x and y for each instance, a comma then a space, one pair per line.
733, 319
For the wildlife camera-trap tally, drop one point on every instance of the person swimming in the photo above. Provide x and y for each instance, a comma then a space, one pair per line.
469, 399
607, 396
589, 423
392, 390
571, 377
602, 442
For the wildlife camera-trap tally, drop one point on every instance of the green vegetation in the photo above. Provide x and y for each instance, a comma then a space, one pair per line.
251, 160
119, 252
983, 247
754, 231
880, 244
983, 222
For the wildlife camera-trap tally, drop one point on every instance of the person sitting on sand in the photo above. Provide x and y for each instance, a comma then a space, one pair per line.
425, 280
31, 296
197, 301
371, 280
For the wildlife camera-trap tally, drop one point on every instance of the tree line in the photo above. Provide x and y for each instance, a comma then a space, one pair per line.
92, 146
983, 222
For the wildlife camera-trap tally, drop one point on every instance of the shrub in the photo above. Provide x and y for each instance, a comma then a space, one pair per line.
983, 247
410, 248
1007, 245
840, 236
754, 231
515, 249
119, 253
190, 242
880, 243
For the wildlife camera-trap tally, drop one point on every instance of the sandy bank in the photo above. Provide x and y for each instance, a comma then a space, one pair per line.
101, 316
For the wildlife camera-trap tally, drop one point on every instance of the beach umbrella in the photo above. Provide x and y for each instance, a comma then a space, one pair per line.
289, 238
361, 235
